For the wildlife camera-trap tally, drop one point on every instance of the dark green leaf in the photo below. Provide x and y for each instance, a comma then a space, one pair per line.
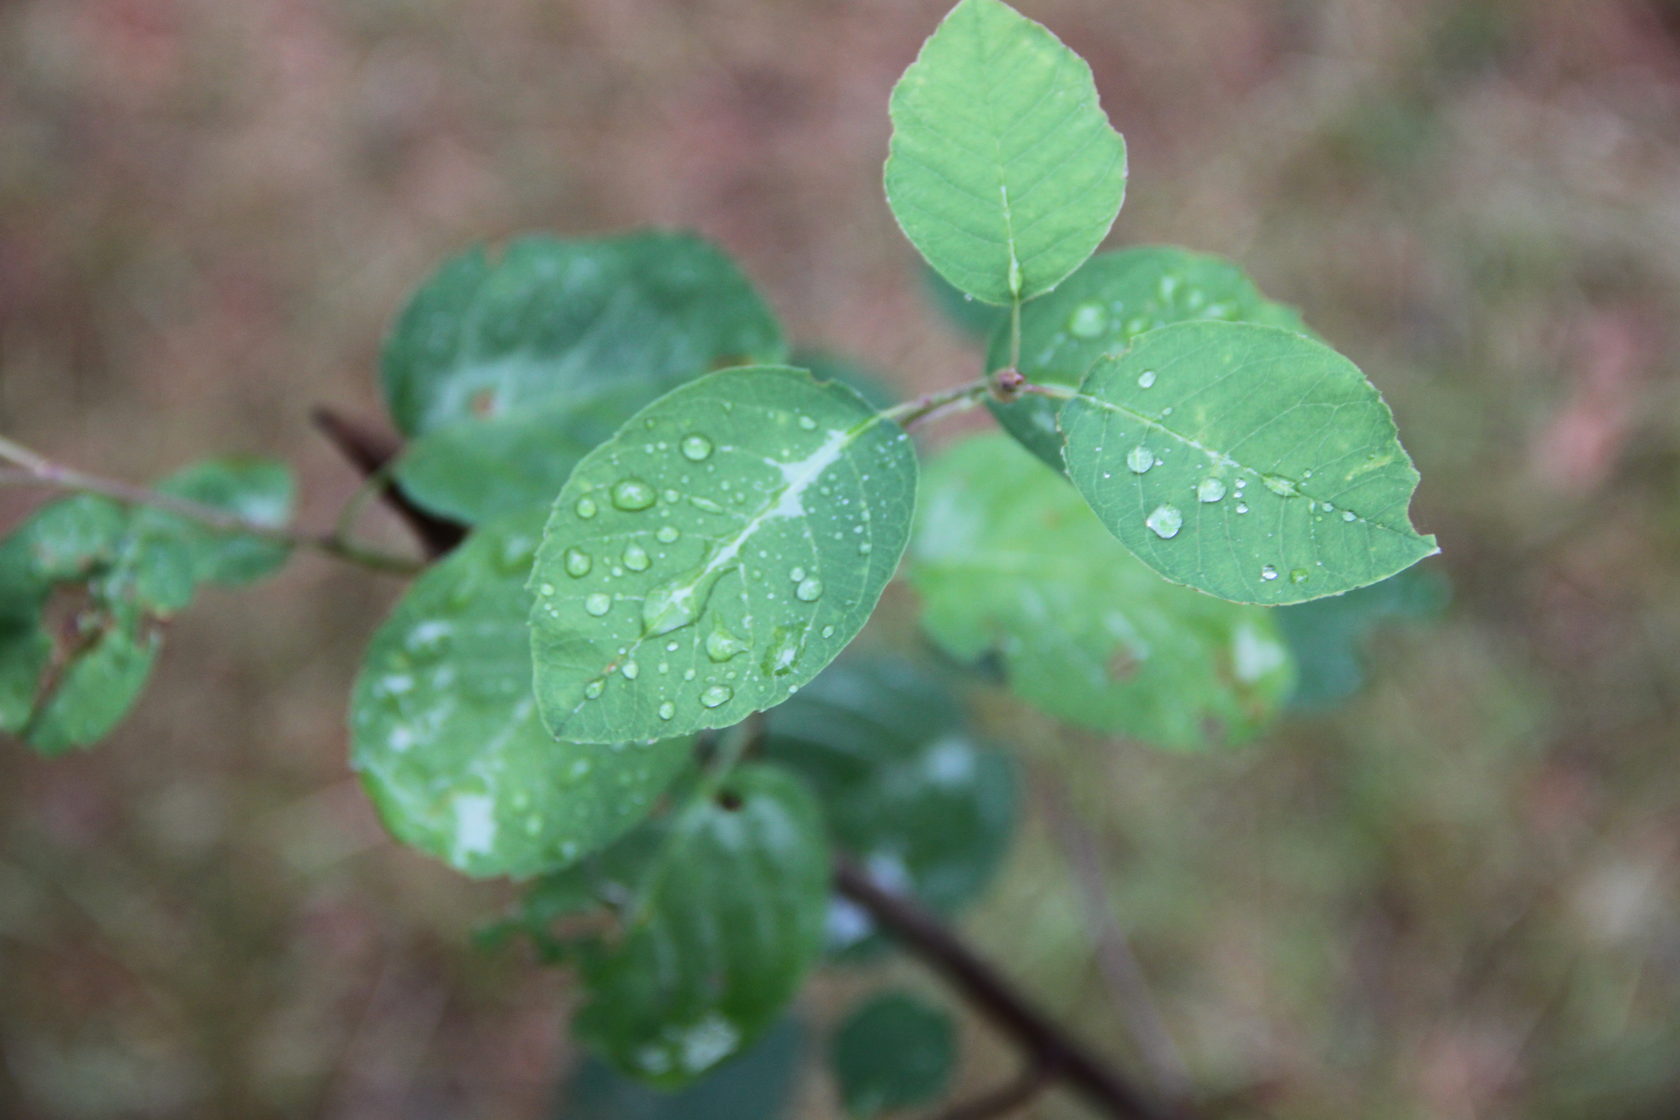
1248, 462
1101, 308
906, 790
1004, 172
755, 1086
445, 732
720, 929
1008, 558
552, 320
893, 1052
716, 554
1326, 635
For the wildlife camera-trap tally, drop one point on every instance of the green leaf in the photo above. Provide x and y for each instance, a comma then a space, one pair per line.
962, 312
1004, 172
1327, 635
445, 733
720, 931
475, 470
1248, 462
756, 1086
893, 1052
715, 554
1104, 306
258, 490
553, 320
1007, 557
130, 567
905, 788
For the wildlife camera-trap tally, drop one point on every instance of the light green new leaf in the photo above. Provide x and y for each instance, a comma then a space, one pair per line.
1104, 306
1008, 557
907, 791
892, 1052
445, 733
1004, 171
551, 320
721, 928
1248, 462
715, 554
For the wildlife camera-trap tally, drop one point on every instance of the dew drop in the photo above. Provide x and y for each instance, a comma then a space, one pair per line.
585, 508
807, 423
546, 590
577, 564
631, 670
1140, 459
1279, 485
593, 689
810, 589
1298, 575
1146, 379
865, 548
1089, 321
1242, 507
1210, 489
784, 650
1268, 573
667, 710
1165, 522
516, 554
696, 447
598, 604
716, 696
666, 534
636, 558
828, 631
797, 574
721, 645
633, 494
1349, 515
704, 504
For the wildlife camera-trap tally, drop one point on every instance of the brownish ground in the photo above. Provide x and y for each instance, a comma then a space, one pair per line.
1458, 898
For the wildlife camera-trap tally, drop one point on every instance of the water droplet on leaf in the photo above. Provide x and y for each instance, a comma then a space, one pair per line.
716, 696
1140, 459
1210, 489
577, 563
1165, 522
1089, 321
696, 447
585, 508
1146, 379
633, 494
810, 589
598, 604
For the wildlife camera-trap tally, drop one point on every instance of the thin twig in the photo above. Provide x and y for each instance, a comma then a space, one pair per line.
1043, 1040
929, 405
34, 470
372, 450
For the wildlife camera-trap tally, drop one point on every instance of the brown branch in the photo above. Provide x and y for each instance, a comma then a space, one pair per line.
1050, 1051
1045, 1042
370, 450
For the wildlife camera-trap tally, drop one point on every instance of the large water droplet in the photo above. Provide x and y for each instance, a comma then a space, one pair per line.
696, 447
598, 604
716, 696
810, 589
577, 562
1165, 522
667, 534
633, 494
797, 574
1268, 573
585, 508
667, 710
636, 557
1140, 459
593, 689
1210, 489
721, 645
631, 670
1349, 515
1089, 321
1146, 379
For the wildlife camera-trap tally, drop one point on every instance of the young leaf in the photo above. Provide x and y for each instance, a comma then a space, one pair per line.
554, 320
893, 1052
715, 554
720, 931
258, 490
99, 682
1101, 308
445, 733
755, 1086
1004, 172
1248, 462
1006, 556
906, 790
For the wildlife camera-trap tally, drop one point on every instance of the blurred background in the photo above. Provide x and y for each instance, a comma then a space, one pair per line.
1456, 896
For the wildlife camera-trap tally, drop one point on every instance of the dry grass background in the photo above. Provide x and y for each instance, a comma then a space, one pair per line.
1459, 897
